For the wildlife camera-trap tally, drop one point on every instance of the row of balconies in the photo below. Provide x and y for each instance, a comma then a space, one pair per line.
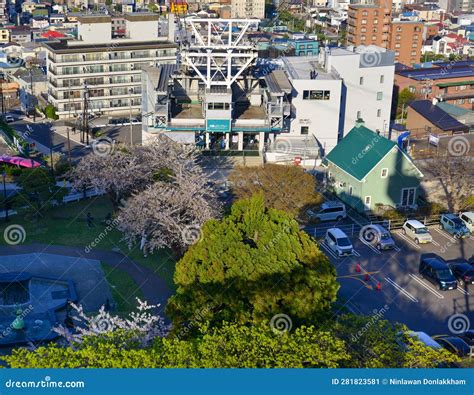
110, 95
108, 57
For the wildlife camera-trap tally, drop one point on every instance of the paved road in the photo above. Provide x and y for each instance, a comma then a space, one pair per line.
154, 289
54, 135
409, 299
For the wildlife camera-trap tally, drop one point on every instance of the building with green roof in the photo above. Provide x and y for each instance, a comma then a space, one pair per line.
365, 169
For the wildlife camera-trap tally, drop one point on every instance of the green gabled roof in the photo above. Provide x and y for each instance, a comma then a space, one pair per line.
359, 151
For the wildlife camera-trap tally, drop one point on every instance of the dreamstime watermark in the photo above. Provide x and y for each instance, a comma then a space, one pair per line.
281, 323
369, 235
8, 330
103, 146
286, 230
283, 146
102, 235
44, 383
365, 150
14, 234
370, 56
199, 316
191, 234
377, 316
458, 146
458, 323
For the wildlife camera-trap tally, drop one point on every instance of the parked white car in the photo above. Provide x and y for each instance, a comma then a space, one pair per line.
468, 218
338, 242
417, 231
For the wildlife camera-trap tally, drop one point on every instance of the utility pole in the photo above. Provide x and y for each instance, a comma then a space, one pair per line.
68, 147
130, 91
85, 117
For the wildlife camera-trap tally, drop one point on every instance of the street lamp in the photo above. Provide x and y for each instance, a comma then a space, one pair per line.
5, 205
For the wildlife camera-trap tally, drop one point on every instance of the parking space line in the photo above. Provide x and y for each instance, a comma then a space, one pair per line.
369, 245
434, 242
426, 286
408, 240
396, 248
463, 291
401, 289
355, 253
326, 248
443, 233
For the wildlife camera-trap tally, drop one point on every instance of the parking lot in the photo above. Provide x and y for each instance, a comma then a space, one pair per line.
371, 279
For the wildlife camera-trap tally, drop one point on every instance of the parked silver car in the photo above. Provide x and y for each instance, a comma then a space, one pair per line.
379, 237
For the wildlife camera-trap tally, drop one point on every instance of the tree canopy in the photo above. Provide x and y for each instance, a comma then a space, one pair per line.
255, 263
287, 188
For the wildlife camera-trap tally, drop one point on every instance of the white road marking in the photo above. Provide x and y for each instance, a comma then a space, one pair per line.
426, 286
408, 240
355, 253
434, 242
442, 233
397, 248
463, 291
369, 245
401, 289
327, 249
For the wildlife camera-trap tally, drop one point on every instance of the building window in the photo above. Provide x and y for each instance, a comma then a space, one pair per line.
361, 81
304, 129
379, 113
316, 95
397, 45
364, 21
413, 53
382, 79
384, 173
379, 96
414, 45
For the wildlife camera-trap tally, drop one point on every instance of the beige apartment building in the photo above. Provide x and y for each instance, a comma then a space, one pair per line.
248, 9
101, 71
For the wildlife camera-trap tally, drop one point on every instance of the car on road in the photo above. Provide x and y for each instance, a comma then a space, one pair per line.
9, 118
381, 237
434, 269
329, 211
417, 231
454, 344
468, 218
338, 242
454, 225
462, 270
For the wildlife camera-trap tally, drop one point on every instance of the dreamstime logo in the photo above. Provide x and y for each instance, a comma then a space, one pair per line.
191, 234
103, 324
368, 235
14, 234
371, 56
458, 146
458, 323
103, 146
283, 146
281, 323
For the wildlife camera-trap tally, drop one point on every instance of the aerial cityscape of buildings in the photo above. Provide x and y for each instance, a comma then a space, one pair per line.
145, 141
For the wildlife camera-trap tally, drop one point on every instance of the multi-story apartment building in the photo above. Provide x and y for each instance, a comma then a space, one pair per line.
3, 11
248, 9
464, 6
406, 40
372, 24
102, 72
369, 24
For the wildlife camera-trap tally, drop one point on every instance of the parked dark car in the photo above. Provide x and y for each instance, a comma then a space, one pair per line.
435, 269
454, 344
462, 270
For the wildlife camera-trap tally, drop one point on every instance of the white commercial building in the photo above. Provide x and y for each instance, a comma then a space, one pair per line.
332, 90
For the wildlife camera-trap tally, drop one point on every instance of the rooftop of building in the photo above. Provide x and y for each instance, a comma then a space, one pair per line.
63, 46
439, 71
436, 115
305, 68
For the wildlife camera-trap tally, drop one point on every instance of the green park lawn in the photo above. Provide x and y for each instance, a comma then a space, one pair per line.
66, 225
124, 289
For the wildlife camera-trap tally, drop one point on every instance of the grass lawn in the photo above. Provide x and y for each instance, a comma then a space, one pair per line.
125, 290
66, 225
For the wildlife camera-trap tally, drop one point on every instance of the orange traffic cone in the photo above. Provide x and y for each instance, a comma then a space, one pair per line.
379, 286
366, 278
358, 267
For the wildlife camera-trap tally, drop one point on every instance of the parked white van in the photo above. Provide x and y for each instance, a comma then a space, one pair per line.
329, 211
338, 242
417, 231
